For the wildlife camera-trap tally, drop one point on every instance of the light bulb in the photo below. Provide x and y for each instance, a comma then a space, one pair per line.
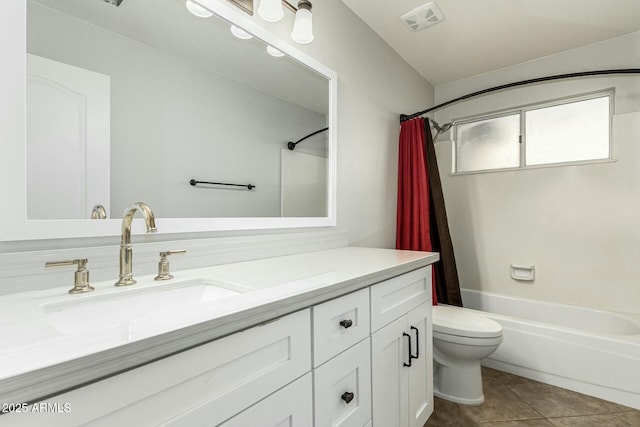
271, 10
274, 52
198, 10
240, 33
303, 25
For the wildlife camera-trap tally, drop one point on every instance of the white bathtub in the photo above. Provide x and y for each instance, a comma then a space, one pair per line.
589, 351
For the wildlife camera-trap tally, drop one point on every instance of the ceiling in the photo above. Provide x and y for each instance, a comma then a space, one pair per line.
478, 36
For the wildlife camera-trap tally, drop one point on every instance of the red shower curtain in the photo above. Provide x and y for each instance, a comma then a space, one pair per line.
412, 227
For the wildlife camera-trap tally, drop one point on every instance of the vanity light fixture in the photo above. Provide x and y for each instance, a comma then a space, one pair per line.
272, 11
240, 33
303, 26
274, 52
198, 10
114, 2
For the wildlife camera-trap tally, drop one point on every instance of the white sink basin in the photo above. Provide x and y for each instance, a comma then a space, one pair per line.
122, 307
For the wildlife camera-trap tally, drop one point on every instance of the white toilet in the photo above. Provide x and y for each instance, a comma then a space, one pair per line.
461, 339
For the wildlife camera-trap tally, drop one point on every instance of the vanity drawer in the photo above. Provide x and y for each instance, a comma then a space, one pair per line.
244, 368
287, 407
342, 389
205, 385
395, 297
338, 324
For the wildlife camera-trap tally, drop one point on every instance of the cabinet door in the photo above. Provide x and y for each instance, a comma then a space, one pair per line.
288, 407
343, 389
389, 354
403, 395
421, 370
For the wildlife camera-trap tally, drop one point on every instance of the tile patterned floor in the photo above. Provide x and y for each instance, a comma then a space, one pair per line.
512, 401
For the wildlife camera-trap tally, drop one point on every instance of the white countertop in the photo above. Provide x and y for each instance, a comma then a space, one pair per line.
46, 348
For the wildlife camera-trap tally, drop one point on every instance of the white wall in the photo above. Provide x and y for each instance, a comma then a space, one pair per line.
577, 224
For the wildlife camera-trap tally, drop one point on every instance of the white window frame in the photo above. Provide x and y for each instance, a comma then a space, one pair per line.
521, 110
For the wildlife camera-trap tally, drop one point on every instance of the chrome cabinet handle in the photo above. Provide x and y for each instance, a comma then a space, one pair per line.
404, 334
347, 396
417, 344
347, 323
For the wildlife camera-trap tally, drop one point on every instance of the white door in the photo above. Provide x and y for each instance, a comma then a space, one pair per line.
68, 136
421, 370
389, 353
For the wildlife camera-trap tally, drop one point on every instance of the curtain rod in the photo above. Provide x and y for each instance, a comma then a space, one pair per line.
404, 117
292, 145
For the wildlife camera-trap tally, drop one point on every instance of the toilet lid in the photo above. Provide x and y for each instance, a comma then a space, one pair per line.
465, 323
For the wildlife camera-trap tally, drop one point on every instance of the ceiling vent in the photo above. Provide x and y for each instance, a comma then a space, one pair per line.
422, 17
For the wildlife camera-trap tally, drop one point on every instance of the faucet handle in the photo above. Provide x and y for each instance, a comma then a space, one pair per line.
98, 212
163, 265
81, 279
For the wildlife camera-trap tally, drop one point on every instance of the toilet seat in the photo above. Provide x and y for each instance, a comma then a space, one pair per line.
468, 341
450, 322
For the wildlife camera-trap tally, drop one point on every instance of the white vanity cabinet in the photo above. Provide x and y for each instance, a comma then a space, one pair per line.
401, 350
398, 391
339, 363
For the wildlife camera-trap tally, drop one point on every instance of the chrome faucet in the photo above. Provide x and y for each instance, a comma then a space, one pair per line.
126, 251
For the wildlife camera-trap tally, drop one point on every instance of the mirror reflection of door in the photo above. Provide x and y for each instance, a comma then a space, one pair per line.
68, 137
304, 188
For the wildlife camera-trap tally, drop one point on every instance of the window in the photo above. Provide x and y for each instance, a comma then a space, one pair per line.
569, 131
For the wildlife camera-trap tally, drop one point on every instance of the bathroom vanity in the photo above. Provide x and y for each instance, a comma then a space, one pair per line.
326, 338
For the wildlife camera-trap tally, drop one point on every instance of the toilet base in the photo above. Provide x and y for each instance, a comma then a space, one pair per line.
459, 384
456, 399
